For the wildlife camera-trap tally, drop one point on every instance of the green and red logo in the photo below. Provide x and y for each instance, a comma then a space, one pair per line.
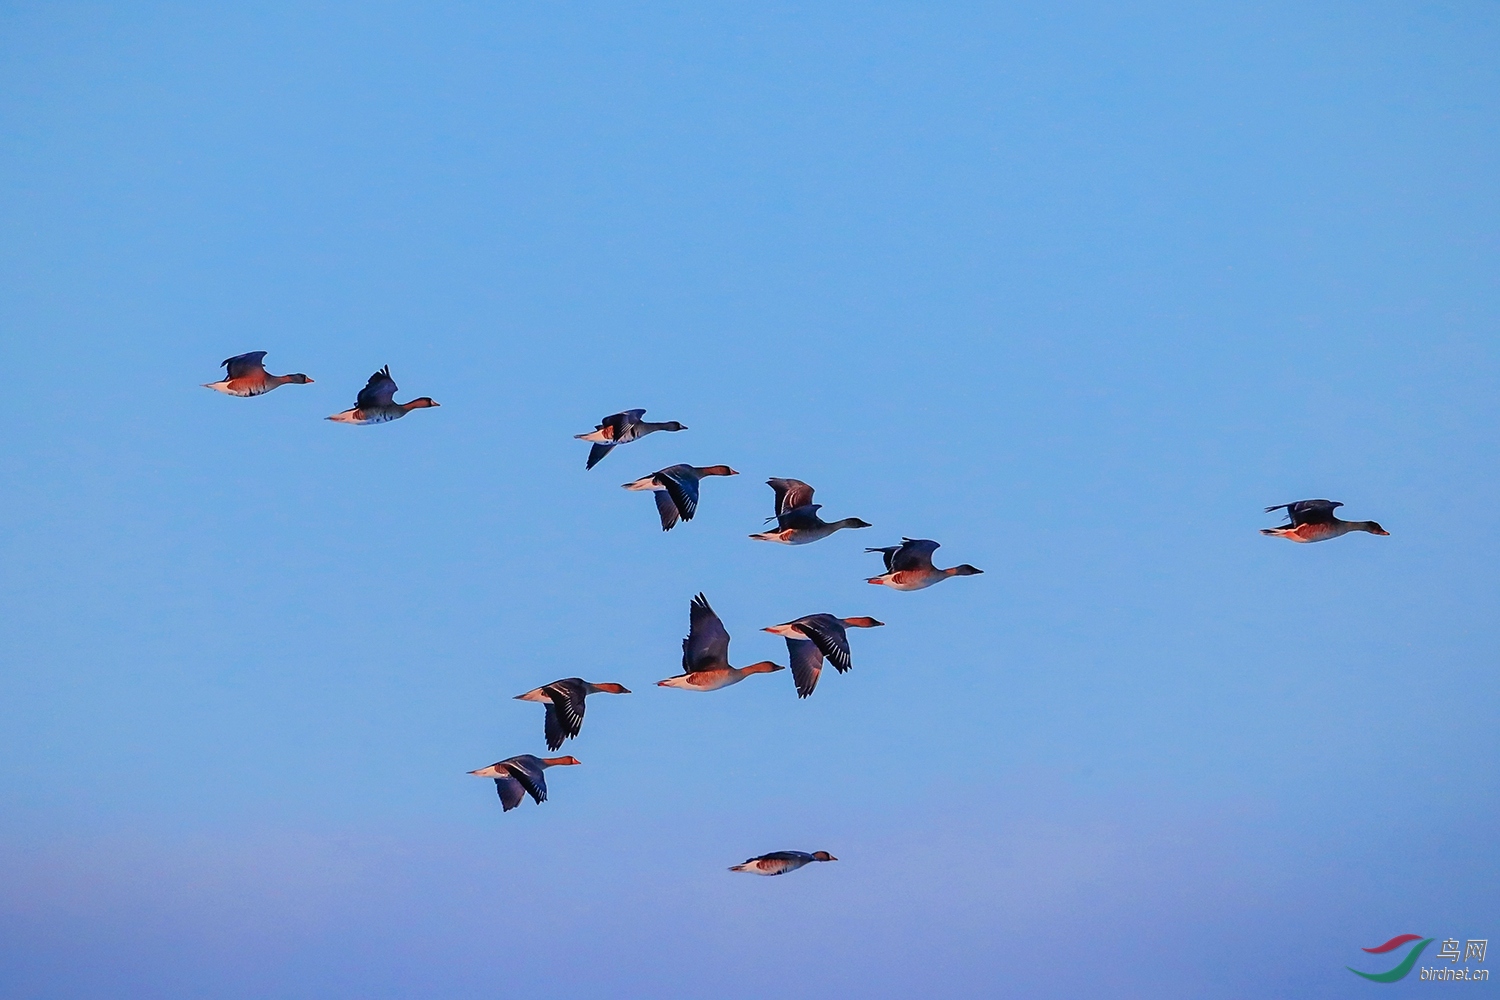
1401, 970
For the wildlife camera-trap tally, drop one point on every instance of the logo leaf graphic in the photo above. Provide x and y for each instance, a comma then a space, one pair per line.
1400, 971
1392, 944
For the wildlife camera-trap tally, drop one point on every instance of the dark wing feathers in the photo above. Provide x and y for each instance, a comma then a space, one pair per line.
553, 728
807, 664
830, 636
666, 508
1308, 511
378, 392
681, 484
805, 516
568, 697
528, 771
707, 644
244, 364
511, 793
887, 553
914, 553
597, 453
790, 493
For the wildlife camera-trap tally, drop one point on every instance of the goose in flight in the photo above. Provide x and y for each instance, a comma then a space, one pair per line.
246, 375
621, 428
796, 517
810, 638
908, 566
1314, 521
676, 489
565, 703
375, 403
520, 776
705, 654
781, 862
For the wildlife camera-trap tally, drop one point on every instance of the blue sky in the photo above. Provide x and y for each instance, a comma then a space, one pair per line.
1075, 290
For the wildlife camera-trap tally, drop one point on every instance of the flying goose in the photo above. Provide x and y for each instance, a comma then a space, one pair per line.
375, 403
246, 375
810, 638
1314, 521
519, 776
908, 566
621, 428
565, 703
796, 517
705, 654
676, 489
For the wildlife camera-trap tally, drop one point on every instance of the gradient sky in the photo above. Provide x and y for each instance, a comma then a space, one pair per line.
1074, 289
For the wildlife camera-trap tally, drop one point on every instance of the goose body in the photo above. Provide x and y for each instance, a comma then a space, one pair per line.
676, 490
622, 428
246, 375
781, 862
796, 517
811, 638
520, 776
376, 402
1314, 521
565, 704
908, 566
705, 654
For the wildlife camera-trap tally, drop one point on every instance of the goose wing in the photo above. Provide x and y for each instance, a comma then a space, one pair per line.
596, 454
1308, 511
666, 509
914, 553
511, 793
888, 553
378, 392
565, 711
245, 364
790, 493
707, 644
807, 664
680, 483
805, 516
528, 770
830, 636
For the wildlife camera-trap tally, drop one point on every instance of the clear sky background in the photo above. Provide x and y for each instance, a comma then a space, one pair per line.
1075, 290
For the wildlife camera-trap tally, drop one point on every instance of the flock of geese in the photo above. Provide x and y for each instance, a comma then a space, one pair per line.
811, 640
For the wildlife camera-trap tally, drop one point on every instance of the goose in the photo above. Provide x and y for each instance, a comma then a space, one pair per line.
781, 862
375, 405
705, 654
621, 428
812, 637
676, 489
519, 776
796, 517
246, 375
908, 566
1314, 521
565, 703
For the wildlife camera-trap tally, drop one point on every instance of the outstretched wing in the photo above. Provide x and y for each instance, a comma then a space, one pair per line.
245, 364
707, 644
914, 553
831, 638
1308, 511
597, 453
807, 664
790, 493
805, 516
528, 770
888, 553
378, 392
567, 705
666, 508
681, 484
511, 793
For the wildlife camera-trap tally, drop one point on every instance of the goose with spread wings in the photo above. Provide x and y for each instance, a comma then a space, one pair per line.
796, 517
246, 375
705, 654
811, 638
1314, 521
676, 489
622, 428
376, 402
520, 776
565, 704
908, 566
